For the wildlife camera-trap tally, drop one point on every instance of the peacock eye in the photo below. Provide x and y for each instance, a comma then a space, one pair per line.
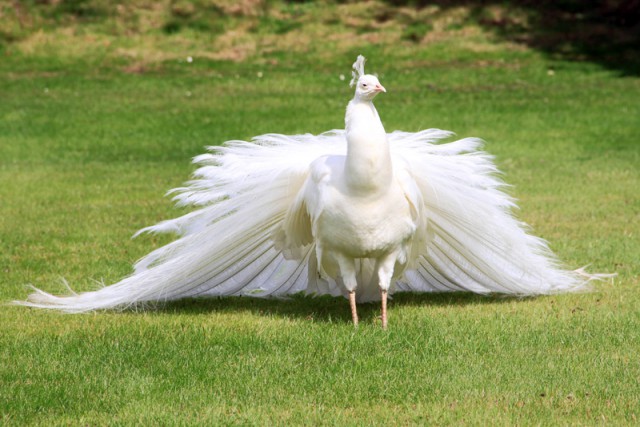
364, 85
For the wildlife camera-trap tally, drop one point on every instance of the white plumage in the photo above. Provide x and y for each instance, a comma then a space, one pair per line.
355, 212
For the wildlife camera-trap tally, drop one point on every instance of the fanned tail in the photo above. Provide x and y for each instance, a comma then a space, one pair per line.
230, 245
233, 244
474, 241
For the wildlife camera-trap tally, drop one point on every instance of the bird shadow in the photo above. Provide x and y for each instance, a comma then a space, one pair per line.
325, 308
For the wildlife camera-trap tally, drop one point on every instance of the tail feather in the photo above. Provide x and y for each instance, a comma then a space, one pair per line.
226, 247
475, 242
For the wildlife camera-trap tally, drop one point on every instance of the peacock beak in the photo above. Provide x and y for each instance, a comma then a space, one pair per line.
380, 88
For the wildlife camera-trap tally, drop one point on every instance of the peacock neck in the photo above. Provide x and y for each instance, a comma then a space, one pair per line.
368, 165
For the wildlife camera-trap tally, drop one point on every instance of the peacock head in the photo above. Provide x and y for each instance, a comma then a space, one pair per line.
367, 85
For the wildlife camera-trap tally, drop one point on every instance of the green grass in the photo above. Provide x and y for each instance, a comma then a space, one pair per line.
87, 151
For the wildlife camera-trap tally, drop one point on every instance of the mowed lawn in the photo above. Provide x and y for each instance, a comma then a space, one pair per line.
87, 152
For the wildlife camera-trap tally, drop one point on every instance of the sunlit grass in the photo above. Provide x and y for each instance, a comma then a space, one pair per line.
87, 153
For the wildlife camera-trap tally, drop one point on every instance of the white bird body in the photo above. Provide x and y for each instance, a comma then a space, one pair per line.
355, 212
357, 207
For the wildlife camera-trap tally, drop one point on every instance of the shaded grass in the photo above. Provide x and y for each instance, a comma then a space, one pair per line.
86, 153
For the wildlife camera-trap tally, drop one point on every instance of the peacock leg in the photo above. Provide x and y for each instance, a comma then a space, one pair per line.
348, 273
384, 267
383, 297
352, 303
